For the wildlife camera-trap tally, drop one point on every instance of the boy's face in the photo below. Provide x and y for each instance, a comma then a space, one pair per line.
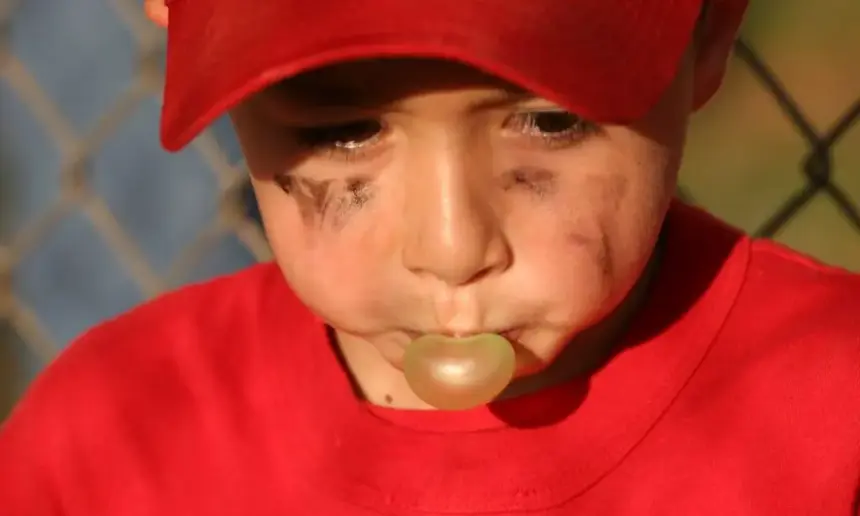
408, 197
404, 197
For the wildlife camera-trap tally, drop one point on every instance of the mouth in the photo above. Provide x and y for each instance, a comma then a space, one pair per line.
512, 335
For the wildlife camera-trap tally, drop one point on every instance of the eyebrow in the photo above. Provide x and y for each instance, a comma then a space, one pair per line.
326, 95
319, 94
377, 85
501, 99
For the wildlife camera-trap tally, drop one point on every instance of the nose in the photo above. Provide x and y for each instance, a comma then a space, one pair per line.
452, 232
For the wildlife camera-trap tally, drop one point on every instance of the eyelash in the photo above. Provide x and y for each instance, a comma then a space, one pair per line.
343, 141
576, 128
354, 140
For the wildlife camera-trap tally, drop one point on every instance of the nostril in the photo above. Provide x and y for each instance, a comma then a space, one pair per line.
480, 275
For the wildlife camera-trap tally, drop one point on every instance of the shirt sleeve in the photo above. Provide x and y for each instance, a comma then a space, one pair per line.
28, 481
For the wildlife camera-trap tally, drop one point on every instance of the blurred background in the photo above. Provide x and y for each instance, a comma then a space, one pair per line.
95, 218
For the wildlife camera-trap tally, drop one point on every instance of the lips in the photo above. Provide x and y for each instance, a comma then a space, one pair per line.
512, 335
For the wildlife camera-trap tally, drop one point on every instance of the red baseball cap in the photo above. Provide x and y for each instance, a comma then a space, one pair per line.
606, 60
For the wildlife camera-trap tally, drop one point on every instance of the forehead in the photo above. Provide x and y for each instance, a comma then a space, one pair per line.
381, 81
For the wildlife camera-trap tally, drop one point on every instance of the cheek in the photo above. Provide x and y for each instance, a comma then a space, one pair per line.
329, 288
562, 267
581, 250
336, 272
339, 288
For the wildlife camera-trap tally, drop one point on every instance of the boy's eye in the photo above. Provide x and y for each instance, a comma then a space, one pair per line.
342, 137
556, 127
551, 122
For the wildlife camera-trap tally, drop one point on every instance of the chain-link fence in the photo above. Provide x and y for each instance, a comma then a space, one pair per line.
817, 166
67, 187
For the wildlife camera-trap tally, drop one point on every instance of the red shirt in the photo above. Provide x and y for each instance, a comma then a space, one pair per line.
736, 393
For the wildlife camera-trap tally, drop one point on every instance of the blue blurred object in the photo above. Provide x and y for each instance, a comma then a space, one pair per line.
252, 210
83, 61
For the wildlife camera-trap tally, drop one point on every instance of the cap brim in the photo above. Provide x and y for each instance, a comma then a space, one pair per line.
607, 60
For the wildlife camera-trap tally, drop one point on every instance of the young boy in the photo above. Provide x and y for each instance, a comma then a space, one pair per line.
458, 167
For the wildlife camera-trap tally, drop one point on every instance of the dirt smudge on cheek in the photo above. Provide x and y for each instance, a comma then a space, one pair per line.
326, 203
540, 182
